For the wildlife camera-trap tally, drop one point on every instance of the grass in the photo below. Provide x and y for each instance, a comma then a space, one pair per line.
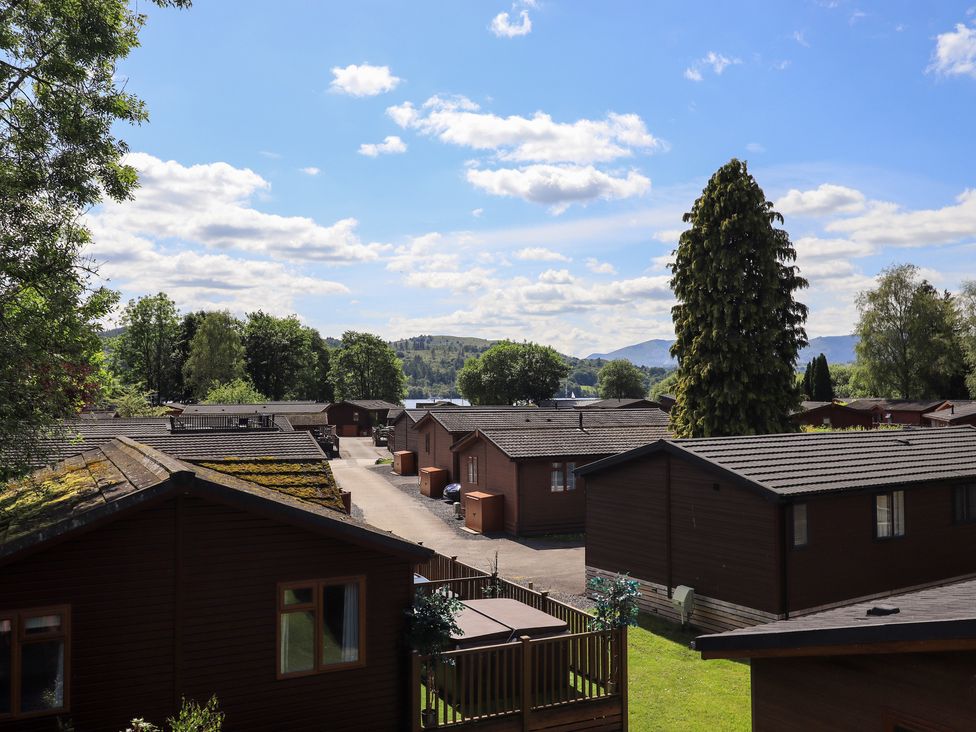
384, 461
672, 688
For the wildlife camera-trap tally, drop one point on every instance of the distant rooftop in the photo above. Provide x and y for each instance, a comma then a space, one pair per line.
468, 420
567, 441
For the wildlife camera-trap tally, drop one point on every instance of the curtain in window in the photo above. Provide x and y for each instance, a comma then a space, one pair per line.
882, 508
570, 476
350, 623
556, 480
898, 513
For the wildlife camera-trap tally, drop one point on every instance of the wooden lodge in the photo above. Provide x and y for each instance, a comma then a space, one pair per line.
357, 417
763, 528
640, 403
833, 415
904, 662
131, 579
534, 469
957, 414
899, 411
300, 415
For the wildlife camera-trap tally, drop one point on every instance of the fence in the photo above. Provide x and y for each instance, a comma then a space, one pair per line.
223, 423
563, 680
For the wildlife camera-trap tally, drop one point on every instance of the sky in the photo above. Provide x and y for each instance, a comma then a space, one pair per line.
483, 168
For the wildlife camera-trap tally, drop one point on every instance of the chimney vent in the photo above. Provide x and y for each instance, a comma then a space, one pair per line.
881, 610
581, 419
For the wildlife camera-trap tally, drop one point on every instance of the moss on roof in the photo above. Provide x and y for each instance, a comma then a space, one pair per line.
309, 481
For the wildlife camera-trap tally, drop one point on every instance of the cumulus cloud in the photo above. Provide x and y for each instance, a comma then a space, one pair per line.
311, 170
824, 200
211, 205
714, 61
955, 52
459, 121
668, 236
598, 267
558, 186
363, 80
540, 254
391, 145
478, 212
812, 247
503, 26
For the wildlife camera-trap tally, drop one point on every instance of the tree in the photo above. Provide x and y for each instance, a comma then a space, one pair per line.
60, 99
849, 382
366, 367
145, 350
823, 388
275, 350
509, 373
216, 355
314, 378
238, 391
966, 304
188, 329
133, 401
620, 379
909, 343
738, 327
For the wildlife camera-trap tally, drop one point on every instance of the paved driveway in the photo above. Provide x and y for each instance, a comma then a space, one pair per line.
550, 566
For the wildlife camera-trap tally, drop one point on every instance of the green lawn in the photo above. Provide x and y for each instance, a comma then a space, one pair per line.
672, 688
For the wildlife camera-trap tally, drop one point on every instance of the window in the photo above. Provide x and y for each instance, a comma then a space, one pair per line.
562, 478
889, 515
427, 442
33, 662
964, 503
320, 626
799, 524
355, 416
473, 469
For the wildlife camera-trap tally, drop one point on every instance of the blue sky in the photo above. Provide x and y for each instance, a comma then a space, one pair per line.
520, 170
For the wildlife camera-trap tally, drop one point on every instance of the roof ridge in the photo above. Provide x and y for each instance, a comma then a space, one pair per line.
169, 464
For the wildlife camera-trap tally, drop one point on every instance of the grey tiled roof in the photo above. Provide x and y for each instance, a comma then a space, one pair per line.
921, 613
297, 445
263, 408
370, 404
568, 442
462, 421
618, 403
800, 463
906, 405
957, 412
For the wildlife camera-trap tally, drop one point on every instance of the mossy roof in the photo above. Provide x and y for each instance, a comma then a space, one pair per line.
309, 481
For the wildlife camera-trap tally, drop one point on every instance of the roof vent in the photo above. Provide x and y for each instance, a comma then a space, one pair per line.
882, 610
903, 442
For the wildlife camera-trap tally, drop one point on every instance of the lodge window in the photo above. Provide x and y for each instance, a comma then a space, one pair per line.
427, 443
800, 536
473, 469
889, 515
320, 626
562, 478
33, 662
964, 503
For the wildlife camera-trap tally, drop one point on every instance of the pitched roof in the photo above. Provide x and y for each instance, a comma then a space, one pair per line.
76, 436
394, 414
293, 446
800, 463
957, 413
619, 403
123, 473
468, 420
902, 405
262, 408
568, 442
368, 404
944, 612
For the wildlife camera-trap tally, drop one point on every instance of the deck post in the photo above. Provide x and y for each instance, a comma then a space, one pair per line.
414, 691
526, 681
623, 676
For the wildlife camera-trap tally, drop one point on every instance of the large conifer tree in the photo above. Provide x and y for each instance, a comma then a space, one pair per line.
738, 328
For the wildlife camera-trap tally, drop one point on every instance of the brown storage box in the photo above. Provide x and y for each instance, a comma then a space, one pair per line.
432, 482
404, 462
348, 430
484, 512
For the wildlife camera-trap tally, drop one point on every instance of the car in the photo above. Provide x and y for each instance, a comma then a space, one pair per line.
452, 492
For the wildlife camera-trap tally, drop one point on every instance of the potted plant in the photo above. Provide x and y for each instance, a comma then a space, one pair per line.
616, 608
431, 625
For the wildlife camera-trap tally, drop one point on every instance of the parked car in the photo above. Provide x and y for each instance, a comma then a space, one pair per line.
381, 435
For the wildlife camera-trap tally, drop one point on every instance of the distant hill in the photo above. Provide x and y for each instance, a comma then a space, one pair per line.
837, 349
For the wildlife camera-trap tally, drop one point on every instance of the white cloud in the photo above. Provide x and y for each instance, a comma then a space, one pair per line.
558, 186
503, 27
391, 145
363, 80
540, 254
955, 52
800, 38
886, 223
311, 170
812, 247
755, 147
478, 212
598, 267
211, 204
668, 236
714, 61
269, 154
459, 121
824, 200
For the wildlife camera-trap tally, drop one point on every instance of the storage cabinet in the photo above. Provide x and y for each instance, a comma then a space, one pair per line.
432, 482
404, 462
484, 512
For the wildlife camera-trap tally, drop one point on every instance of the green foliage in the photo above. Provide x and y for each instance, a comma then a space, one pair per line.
365, 367
509, 373
620, 379
275, 350
431, 622
216, 354
616, 602
314, 378
817, 383
849, 381
966, 305
238, 391
134, 401
188, 329
58, 157
909, 338
667, 385
145, 352
431, 363
737, 325
191, 718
